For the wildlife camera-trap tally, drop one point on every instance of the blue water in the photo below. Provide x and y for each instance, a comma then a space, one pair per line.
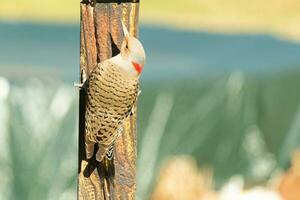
170, 53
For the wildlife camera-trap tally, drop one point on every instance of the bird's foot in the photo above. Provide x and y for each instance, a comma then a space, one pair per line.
78, 85
83, 84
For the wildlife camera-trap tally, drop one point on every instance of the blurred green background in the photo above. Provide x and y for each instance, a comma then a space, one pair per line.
221, 83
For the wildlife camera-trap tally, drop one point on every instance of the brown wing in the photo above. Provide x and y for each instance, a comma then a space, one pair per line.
111, 95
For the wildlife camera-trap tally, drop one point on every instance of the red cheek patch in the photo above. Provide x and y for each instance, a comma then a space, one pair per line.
137, 67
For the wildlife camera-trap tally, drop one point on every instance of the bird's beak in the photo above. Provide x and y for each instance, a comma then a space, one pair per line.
125, 31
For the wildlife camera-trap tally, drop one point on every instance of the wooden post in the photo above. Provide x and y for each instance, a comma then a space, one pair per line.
101, 35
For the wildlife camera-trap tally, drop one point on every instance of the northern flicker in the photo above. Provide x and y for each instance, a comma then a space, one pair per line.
112, 89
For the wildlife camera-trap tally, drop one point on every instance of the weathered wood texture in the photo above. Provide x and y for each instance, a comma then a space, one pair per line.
101, 35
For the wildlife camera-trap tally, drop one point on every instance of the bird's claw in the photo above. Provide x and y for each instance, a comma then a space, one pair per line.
79, 85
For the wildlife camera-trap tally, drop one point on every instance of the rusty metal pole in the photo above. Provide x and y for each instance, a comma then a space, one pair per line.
100, 38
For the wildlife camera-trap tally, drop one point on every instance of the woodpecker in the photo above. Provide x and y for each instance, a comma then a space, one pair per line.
112, 89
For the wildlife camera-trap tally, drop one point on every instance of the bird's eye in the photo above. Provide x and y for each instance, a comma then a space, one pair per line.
126, 46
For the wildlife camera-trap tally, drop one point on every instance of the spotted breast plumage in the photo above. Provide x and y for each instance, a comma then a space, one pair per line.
111, 95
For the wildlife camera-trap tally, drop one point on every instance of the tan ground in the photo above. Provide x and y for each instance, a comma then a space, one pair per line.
278, 17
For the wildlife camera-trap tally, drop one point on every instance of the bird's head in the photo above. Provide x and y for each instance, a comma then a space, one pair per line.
132, 50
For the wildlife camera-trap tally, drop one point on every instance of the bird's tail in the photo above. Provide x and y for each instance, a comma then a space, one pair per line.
106, 171
108, 164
